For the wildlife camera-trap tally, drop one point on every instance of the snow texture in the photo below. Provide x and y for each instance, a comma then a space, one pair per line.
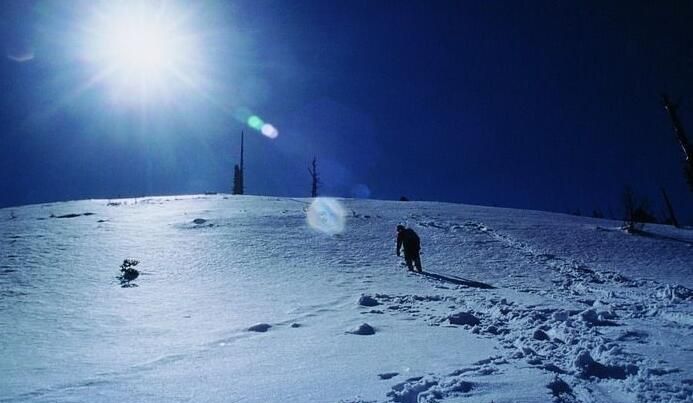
261, 299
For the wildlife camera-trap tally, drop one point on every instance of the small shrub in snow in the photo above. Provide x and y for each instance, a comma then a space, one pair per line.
128, 272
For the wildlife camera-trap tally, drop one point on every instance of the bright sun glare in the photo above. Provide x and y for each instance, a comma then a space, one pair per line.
139, 48
142, 50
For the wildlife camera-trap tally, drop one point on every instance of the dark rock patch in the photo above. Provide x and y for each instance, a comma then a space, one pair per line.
260, 327
367, 300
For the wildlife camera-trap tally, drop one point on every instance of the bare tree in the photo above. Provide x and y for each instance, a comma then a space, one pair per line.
672, 109
315, 178
636, 211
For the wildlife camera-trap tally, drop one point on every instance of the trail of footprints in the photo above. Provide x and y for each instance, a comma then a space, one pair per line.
571, 345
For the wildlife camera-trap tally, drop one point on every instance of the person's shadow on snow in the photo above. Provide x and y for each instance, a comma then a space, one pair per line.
458, 280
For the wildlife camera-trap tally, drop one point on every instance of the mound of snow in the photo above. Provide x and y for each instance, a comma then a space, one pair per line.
593, 318
363, 330
675, 293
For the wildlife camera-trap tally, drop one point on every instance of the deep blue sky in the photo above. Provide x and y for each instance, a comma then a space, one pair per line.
540, 104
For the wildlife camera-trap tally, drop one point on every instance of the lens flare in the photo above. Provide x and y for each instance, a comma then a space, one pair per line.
269, 131
245, 116
255, 122
327, 215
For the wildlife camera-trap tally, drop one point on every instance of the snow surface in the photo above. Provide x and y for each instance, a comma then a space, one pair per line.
239, 299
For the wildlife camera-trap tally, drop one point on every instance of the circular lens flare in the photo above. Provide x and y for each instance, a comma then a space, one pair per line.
327, 215
269, 131
255, 122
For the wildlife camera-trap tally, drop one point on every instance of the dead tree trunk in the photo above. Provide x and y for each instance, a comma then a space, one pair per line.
681, 137
315, 178
236, 180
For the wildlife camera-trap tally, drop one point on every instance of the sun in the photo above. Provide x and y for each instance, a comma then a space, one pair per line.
142, 50
139, 48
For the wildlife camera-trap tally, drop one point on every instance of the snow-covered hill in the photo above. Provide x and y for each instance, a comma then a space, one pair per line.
241, 300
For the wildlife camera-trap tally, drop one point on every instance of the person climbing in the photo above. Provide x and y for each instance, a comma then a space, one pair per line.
408, 240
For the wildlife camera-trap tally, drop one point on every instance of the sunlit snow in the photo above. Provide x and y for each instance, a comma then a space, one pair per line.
241, 299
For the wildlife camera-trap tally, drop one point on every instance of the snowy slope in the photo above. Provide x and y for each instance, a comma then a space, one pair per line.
569, 309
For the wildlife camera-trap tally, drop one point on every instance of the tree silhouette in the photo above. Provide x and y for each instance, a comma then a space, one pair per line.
315, 178
636, 211
672, 109
238, 186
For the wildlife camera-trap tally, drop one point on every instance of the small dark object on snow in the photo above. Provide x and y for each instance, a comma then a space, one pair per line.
367, 300
558, 387
463, 318
130, 274
364, 330
128, 271
260, 327
199, 221
72, 215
